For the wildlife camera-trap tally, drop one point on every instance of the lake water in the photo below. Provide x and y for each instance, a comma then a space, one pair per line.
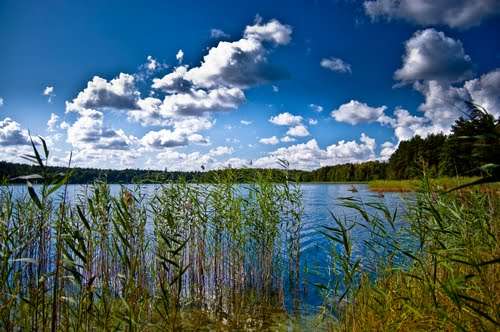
319, 201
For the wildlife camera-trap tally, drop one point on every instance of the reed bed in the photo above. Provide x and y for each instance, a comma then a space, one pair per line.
187, 257
441, 273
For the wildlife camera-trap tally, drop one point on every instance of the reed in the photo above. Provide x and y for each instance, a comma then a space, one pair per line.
437, 270
186, 253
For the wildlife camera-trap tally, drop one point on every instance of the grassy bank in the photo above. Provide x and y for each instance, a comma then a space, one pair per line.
438, 184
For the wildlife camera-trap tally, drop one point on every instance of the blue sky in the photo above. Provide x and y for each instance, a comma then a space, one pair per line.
180, 84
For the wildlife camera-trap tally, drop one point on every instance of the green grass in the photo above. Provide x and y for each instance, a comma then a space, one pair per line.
444, 183
451, 281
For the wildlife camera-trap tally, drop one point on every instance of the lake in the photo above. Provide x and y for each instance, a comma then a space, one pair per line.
320, 201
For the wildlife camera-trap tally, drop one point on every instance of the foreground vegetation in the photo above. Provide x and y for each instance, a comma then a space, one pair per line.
190, 256
227, 256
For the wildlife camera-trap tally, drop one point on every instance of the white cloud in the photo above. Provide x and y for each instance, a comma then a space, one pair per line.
217, 84
276, 88
287, 139
444, 104
298, 131
430, 55
179, 161
89, 132
120, 94
242, 63
355, 112
286, 119
52, 123
309, 155
180, 56
11, 133
246, 122
485, 91
388, 149
218, 34
336, 65
272, 31
99, 158
49, 92
151, 64
453, 13
313, 122
270, 140
197, 102
164, 139
316, 108
220, 151
1, 101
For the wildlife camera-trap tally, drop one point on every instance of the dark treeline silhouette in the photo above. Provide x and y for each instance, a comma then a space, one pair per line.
473, 142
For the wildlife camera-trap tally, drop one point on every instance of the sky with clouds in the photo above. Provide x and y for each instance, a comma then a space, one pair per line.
179, 85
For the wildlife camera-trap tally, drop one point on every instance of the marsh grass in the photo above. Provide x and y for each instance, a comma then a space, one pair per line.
446, 278
186, 257
440, 184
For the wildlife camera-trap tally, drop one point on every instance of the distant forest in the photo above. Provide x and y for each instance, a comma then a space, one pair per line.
473, 142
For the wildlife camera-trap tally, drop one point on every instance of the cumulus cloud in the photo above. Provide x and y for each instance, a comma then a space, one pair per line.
52, 123
444, 104
431, 55
49, 92
179, 161
246, 122
309, 155
298, 131
453, 13
120, 94
242, 63
388, 148
164, 139
336, 65
270, 140
221, 150
286, 119
184, 131
89, 132
313, 122
218, 83
355, 112
485, 91
316, 108
218, 34
99, 158
11, 133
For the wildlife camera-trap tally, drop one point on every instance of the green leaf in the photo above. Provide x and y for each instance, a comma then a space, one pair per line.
45, 149
33, 195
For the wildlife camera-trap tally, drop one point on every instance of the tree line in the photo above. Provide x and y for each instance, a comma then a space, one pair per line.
473, 142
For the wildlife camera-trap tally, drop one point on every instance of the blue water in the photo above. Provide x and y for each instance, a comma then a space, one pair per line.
320, 201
